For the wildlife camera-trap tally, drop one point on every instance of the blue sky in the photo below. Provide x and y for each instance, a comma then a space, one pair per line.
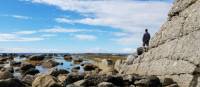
78, 26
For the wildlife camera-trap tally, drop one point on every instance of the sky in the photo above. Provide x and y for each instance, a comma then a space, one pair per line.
78, 26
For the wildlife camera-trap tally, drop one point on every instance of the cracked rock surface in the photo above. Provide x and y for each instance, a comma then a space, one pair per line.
175, 49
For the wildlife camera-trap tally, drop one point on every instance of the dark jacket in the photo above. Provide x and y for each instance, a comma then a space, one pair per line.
146, 37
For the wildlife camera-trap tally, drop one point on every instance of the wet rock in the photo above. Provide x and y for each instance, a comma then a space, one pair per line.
46, 81
28, 79
5, 74
31, 71
26, 66
73, 77
89, 67
55, 72
140, 50
37, 57
50, 63
11, 83
105, 84
150, 81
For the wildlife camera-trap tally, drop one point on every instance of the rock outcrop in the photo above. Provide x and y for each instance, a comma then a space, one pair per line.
174, 50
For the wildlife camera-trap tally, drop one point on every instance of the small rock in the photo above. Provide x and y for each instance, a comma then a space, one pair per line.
140, 50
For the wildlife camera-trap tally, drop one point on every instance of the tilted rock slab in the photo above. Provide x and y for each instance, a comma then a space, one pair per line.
175, 49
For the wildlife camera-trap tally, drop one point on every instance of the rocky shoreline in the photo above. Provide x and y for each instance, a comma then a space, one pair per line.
101, 74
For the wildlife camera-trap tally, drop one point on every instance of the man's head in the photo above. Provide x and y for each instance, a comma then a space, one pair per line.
146, 30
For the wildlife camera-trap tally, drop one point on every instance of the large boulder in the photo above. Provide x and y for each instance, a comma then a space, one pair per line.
46, 81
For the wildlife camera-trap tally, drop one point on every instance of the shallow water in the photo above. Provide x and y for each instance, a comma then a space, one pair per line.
67, 65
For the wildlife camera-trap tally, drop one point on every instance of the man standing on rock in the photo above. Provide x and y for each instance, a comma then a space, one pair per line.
146, 38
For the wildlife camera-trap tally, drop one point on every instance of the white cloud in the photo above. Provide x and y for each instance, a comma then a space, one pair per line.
85, 37
18, 17
120, 34
63, 20
62, 30
126, 15
48, 35
25, 32
129, 39
6, 37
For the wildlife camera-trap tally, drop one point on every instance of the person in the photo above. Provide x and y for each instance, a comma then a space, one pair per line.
146, 38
